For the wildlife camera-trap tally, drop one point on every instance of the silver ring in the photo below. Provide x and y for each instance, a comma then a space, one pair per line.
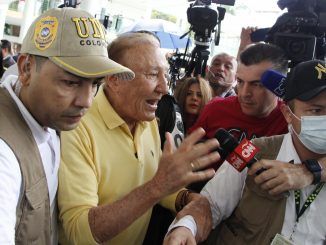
193, 168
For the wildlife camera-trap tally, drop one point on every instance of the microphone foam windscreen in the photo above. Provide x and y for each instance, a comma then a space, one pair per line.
227, 142
274, 82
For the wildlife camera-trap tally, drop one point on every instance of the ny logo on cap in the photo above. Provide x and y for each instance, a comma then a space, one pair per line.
321, 69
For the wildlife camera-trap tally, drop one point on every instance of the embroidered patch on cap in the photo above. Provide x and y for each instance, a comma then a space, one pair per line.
45, 32
321, 70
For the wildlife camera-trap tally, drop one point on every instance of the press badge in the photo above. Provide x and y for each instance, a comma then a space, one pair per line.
281, 240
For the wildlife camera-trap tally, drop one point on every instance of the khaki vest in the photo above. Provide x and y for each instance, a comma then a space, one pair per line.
33, 209
258, 216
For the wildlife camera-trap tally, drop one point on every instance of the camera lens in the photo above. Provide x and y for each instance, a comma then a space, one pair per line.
206, 2
297, 47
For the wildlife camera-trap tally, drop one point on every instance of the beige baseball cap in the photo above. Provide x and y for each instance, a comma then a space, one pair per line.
74, 40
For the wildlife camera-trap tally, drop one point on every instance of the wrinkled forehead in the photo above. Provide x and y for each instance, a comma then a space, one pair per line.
253, 72
147, 56
223, 58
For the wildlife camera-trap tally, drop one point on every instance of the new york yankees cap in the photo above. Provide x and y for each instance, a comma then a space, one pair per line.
306, 80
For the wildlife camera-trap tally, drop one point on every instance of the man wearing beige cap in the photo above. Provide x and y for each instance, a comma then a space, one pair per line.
62, 61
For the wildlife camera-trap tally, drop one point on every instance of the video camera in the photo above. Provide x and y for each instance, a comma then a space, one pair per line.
203, 20
69, 3
300, 31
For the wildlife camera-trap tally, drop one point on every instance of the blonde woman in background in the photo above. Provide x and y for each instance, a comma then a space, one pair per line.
192, 94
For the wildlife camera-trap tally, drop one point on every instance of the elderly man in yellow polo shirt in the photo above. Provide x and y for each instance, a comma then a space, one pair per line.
113, 170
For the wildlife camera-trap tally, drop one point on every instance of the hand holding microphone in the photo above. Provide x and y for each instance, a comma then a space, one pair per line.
239, 155
273, 176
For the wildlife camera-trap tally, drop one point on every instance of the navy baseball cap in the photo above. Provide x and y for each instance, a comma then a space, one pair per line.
306, 80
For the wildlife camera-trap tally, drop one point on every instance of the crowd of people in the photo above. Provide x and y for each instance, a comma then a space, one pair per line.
85, 152
9, 55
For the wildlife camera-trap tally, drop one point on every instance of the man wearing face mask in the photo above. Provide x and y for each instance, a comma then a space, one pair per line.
297, 218
221, 75
305, 85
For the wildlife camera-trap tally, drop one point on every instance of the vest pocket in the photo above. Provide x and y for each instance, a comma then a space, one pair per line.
37, 194
254, 213
35, 213
227, 236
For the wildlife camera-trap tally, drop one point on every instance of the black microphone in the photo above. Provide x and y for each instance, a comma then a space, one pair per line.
239, 155
274, 82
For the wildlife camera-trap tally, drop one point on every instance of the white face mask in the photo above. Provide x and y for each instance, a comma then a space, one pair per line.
313, 133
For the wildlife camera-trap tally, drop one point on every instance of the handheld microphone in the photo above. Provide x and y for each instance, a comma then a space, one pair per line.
274, 81
239, 155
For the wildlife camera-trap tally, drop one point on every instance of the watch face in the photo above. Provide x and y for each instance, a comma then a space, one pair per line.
313, 165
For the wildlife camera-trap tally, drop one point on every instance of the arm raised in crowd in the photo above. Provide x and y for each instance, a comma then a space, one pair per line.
245, 39
174, 172
176, 169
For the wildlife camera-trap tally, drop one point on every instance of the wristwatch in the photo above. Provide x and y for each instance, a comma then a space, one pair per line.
315, 168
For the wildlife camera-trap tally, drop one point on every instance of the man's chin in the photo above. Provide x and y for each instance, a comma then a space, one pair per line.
225, 85
214, 85
66, 126
149, 117
249, 110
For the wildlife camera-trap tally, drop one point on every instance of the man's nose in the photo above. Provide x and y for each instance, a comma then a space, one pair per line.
246, 89
220, 67
162, 86
85, 95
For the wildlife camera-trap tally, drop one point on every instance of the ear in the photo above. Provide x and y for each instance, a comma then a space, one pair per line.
24, 68
112, 82
286, 113
207, 69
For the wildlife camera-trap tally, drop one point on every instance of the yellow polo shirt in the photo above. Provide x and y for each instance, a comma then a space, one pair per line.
100, 163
